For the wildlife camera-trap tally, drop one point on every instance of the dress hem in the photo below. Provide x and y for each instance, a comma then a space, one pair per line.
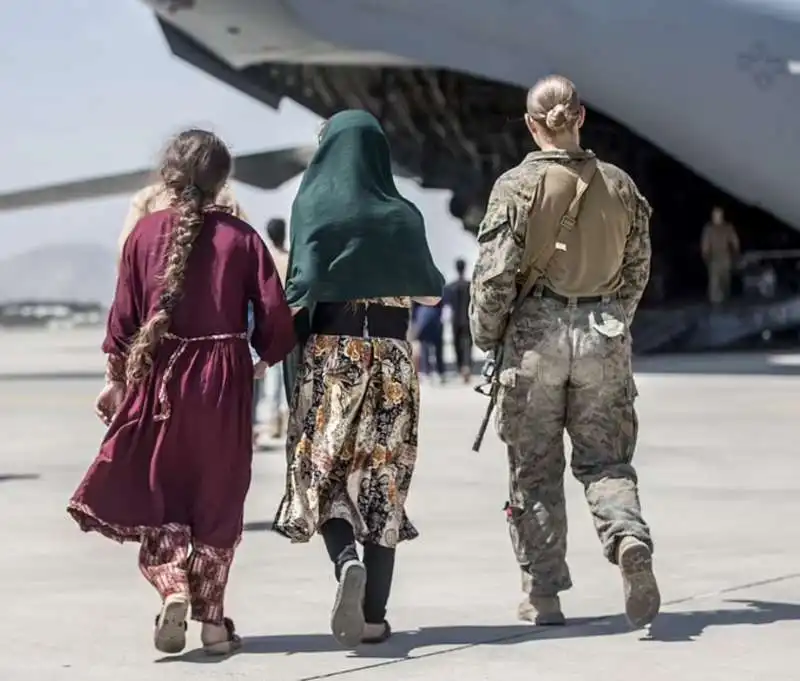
299, 534
89, 521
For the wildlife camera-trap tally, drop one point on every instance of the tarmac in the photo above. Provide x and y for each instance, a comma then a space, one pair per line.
720, 486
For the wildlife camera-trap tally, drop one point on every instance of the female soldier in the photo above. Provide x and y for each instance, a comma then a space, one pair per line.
358, 256
565, 244
174, 467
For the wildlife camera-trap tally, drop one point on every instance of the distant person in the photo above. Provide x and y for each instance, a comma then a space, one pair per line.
175, 464
157, 197
456, 297
276, 395
359, 254
429, 333
720, 248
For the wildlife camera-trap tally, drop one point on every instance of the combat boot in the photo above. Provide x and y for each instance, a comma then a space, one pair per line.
642, 597
541, 610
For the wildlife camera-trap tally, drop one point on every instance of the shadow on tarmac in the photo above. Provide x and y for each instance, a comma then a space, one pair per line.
669, 627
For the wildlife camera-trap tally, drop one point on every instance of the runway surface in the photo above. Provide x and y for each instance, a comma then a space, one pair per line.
720, 484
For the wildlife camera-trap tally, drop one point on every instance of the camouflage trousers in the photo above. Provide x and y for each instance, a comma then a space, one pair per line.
567, 368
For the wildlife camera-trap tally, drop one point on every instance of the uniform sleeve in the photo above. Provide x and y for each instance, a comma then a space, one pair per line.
636, 260
501, 243
125, 314
273, 327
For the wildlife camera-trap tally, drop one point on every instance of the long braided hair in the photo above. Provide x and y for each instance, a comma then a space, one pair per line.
194, 168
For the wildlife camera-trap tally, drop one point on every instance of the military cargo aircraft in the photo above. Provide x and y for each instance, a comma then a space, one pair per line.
697, 99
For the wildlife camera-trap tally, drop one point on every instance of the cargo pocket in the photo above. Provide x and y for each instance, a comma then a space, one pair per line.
614, 347
517, 531
629, 427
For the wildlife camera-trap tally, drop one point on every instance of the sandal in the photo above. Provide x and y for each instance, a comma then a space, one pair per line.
170, 632
231, 643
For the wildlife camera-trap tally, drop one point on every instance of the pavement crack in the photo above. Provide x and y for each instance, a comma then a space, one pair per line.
535, 632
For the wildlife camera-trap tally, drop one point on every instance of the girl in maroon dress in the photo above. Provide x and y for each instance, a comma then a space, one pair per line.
174, 467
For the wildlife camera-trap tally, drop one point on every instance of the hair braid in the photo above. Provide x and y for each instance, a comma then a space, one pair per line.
189, 206
194, 168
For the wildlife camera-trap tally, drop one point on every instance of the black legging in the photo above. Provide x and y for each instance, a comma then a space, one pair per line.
378, 561
462, 340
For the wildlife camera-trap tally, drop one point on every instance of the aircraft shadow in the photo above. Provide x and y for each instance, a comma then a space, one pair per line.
670, 627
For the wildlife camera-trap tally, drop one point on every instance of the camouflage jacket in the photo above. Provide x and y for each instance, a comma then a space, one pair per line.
502, 234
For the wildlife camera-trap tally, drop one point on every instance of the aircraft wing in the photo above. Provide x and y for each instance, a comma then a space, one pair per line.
265, 170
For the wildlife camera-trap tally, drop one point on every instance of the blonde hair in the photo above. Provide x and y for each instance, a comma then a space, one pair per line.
554, 103
194, 169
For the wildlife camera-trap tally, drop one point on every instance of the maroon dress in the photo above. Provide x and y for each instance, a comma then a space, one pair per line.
176, 459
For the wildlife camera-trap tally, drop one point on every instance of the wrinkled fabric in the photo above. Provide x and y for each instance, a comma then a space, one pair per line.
352, 440
566, 368
156, 197
500, 268
179, 450
353, 236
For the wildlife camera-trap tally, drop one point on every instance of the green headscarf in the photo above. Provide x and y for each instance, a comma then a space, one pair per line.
352, 235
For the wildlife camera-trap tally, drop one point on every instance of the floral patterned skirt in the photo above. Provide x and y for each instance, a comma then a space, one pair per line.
352, 439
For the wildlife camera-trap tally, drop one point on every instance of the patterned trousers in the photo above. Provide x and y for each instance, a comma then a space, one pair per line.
174, 563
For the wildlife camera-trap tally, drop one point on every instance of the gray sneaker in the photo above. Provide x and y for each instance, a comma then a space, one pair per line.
347, 616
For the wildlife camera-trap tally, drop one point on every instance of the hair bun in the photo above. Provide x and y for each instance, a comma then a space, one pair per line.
557, 117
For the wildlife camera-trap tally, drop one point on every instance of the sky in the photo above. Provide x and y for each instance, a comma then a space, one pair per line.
90, 88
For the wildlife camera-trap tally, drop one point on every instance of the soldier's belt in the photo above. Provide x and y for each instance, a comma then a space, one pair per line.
573, 300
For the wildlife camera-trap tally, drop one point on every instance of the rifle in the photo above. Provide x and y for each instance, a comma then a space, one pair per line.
494, 359
489, 388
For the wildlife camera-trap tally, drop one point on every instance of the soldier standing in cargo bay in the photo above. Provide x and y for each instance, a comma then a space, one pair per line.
565, 239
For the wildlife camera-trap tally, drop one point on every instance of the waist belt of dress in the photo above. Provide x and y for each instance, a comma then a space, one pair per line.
164, 409
361, 321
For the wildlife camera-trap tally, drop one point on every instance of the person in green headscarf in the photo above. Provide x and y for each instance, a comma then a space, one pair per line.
358, 257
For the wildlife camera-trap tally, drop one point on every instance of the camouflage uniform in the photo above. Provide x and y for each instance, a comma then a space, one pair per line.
566, 366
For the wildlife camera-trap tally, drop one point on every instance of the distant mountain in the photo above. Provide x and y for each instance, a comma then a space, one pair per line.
68, 272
